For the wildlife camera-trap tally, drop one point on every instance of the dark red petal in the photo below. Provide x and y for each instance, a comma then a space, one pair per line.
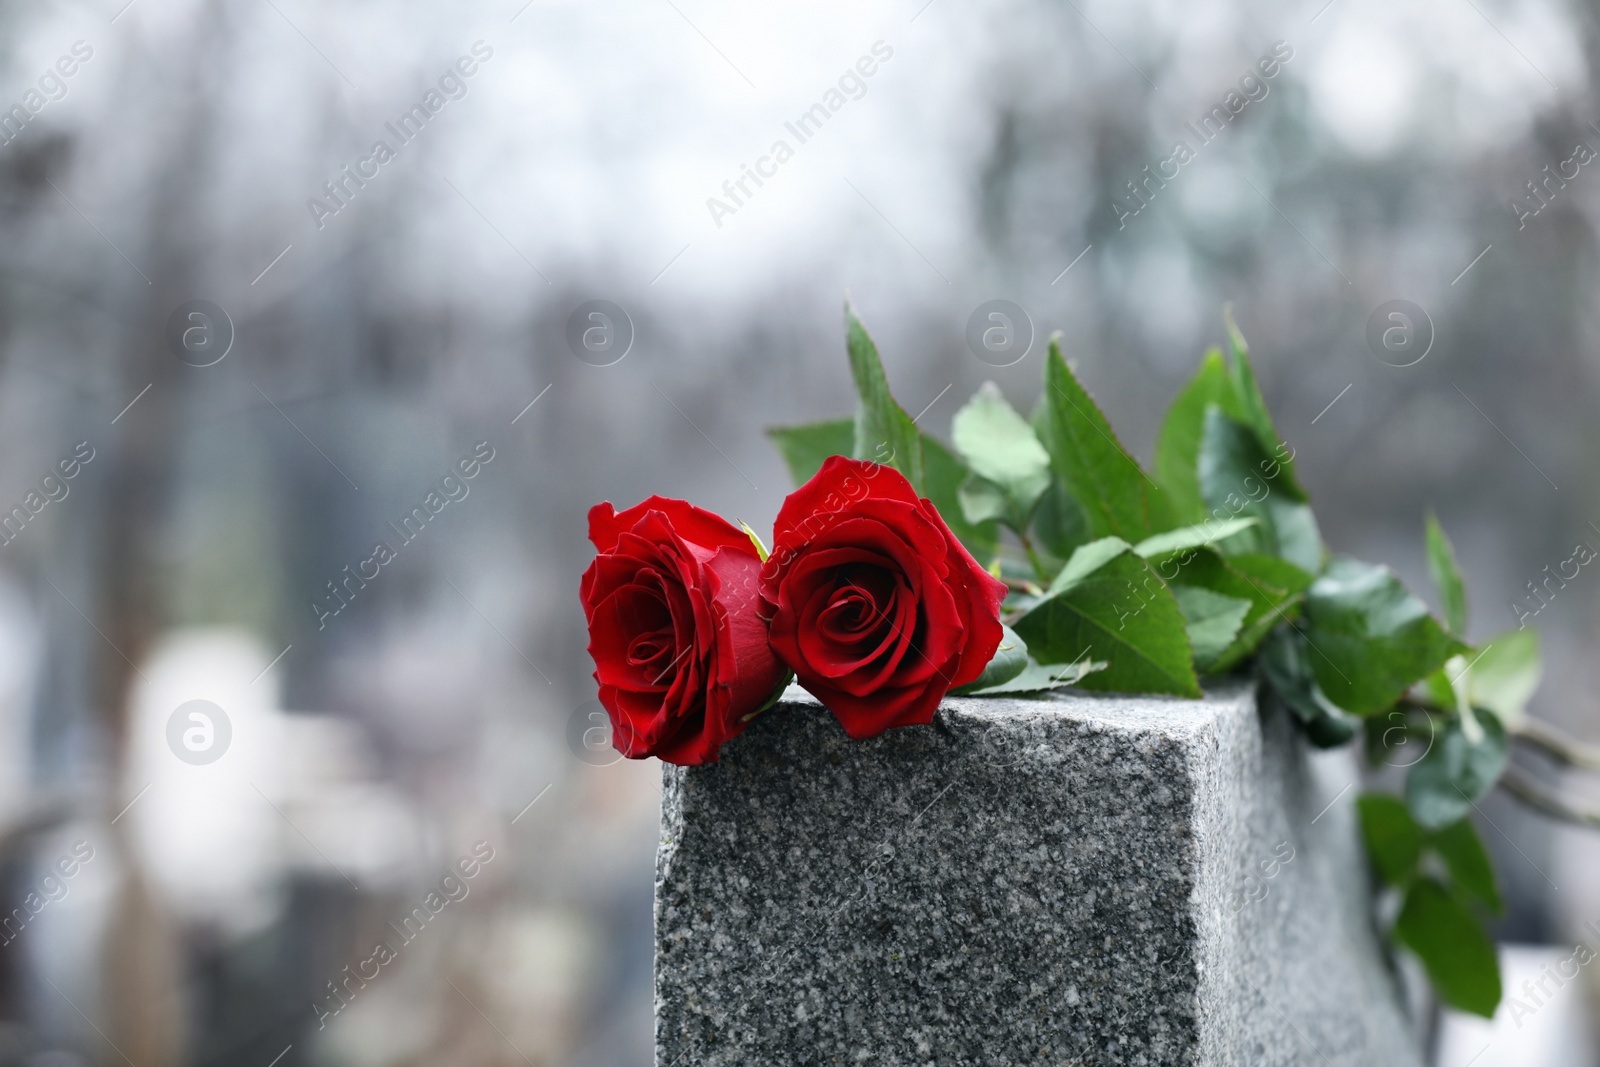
745, 664
693, 525
833, 490
868, 716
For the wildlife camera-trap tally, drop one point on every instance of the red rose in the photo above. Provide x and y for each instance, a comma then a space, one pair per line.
680, 650
873, 603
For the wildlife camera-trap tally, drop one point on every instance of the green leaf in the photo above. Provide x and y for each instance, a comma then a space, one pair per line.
1468, 862
804, 448
1252, 407
1284, 664
1229, 384
1109, 604
944, 473
983, 501
1178, 446
1059, 524
1458, 955
1117, 497
1197, 536
1000, 447
1238, 477
1446, 576
1271, 586
1445, 784
1212, 621
1370, 639
1394, 841
1009, 660
1505, 675
1037, 678
1271, 571
1440, 686
1087, 559
884, 433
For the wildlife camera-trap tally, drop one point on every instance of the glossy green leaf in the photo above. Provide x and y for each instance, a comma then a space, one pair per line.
1394, 840
804, 448
1505, 674
1178, 446
1109, 604
1458, 955
1038, 678
1270, 570
1059, 524
1271, 586
1117, 497
1456, 773
1440, 686
884, 433
944, 475
1284, 663
1370, 639
1212, 621
1468, 862
1087, 559
1197, 536
983, 501
1000, 447
1239, 478
1446, 576
1009, 660
1252, 407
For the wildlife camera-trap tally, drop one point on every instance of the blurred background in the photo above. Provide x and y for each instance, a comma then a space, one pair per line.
241, 345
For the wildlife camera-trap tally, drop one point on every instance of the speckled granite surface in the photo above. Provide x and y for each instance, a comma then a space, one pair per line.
1057, 882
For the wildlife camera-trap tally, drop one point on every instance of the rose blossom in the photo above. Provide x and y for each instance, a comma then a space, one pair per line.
872, 601
679, 648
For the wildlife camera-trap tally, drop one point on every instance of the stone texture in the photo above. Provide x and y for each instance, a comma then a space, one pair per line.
1041, 882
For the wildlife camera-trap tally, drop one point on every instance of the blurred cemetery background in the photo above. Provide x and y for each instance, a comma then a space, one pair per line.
373, 319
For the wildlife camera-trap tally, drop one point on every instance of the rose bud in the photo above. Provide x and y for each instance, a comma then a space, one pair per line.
872, 601
679, 647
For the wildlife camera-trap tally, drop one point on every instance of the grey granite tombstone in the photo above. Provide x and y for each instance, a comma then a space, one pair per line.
1074, 880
